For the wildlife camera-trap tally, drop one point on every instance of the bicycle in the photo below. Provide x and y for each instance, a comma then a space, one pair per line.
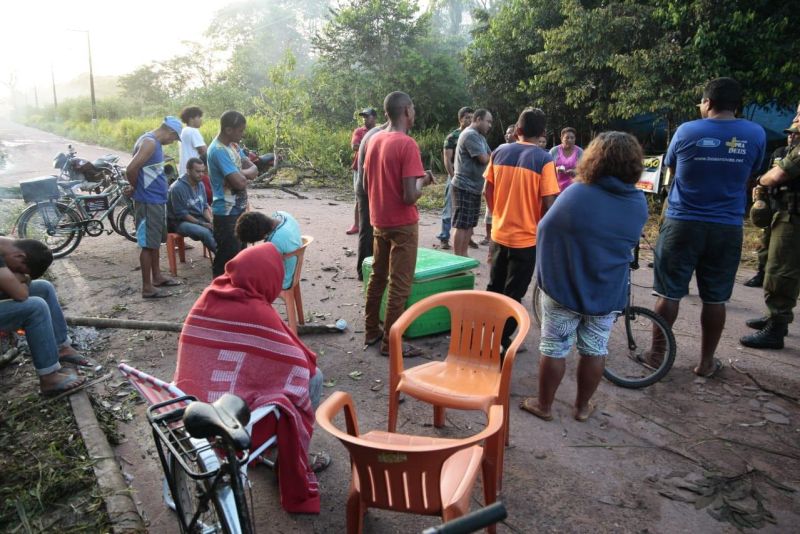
204, 452
61, 225
630, 337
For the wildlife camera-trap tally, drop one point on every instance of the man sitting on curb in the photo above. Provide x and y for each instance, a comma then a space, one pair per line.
33, 305
188, 212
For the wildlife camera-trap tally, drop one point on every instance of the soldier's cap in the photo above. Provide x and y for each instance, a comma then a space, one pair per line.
793, 129
366, 112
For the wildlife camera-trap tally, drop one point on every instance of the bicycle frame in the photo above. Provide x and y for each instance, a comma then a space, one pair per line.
218, 470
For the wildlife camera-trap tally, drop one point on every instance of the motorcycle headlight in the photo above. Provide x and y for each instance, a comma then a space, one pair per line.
59, 161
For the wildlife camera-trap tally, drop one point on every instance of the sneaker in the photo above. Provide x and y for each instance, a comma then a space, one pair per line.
445, 244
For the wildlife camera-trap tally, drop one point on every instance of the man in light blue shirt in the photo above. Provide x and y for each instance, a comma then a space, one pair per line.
280, 229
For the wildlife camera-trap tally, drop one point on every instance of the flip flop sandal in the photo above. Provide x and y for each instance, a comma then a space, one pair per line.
68, 385
584, 418
534, 410
372, 341
157, 295
169, 283
79, 360
712, 372
320, 461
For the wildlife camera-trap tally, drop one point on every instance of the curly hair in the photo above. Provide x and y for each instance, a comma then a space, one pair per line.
37, 256
190, 112
612, 154
253, 227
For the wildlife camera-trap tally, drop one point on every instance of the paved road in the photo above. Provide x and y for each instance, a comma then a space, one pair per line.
29, 152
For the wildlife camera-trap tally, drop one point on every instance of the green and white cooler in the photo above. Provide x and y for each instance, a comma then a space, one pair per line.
435, 272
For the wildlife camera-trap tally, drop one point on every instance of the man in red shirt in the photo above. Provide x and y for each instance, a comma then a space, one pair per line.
370, 117
393, 165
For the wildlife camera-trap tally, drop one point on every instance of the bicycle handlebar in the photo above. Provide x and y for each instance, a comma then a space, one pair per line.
489, 515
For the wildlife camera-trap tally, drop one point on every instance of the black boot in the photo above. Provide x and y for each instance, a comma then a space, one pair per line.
757, 280
761, 323
769, 337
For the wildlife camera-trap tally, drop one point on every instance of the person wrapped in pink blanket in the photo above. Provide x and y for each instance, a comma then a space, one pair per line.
233, 341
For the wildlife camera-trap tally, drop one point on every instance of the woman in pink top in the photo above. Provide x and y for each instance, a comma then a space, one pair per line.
566, 157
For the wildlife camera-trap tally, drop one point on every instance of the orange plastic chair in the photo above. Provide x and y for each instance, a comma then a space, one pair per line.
404, 473
175, 241
474, 376
292, 296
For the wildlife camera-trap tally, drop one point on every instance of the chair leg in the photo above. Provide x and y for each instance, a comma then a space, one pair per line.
298, 298
506, 424
181, 248
173, 267
438, 416
489, 488
291, 311
492, 467
355, 513
393, 407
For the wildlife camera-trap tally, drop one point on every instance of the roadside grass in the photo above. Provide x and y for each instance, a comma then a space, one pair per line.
48, 483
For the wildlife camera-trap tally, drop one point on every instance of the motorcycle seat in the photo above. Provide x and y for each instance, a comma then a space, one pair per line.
227, 417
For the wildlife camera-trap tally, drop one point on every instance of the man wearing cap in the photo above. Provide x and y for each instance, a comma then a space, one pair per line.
148, 185
792, 138
370, 117
782, 273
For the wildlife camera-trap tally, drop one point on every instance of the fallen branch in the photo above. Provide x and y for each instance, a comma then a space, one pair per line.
164, 326
9, 356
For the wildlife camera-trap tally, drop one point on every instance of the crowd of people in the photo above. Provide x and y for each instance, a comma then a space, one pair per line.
568, 218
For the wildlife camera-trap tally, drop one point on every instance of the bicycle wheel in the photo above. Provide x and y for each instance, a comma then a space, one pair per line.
631, 336
115, 211
537, 304
127, 224
217, 516
56, 224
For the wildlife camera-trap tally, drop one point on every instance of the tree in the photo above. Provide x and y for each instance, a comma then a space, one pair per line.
145, 87
370, 48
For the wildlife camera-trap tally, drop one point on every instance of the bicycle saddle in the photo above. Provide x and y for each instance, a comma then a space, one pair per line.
226, 417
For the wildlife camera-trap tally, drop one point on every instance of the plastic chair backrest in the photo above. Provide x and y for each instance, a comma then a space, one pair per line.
299, 253
395, 476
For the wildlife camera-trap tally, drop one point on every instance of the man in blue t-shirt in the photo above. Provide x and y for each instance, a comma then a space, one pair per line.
148, 186
229, 174
711, 159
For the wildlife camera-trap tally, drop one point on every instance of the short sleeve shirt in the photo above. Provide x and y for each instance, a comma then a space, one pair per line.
451, 141
355, 140
468, 170
522, 174
713, 160
222, 161
286, 238
390, 157
791, 163
191, 139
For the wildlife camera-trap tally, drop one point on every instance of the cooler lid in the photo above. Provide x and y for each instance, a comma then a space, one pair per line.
437, 264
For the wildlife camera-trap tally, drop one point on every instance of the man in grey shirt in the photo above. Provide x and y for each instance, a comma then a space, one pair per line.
472, 156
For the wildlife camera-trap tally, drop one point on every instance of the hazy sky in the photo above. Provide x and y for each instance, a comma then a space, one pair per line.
124, 35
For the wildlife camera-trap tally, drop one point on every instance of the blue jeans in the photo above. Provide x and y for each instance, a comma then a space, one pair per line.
41, 317
198, 233
447, 211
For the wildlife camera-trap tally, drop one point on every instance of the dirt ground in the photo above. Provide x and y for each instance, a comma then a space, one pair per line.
679, 456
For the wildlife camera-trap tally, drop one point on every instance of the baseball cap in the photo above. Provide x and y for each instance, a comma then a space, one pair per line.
368, 111
793, 129
174, 124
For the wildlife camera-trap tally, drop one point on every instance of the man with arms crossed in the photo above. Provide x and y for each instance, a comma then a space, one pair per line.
472, 156
395, 178
229, 174
148, 182
711, 159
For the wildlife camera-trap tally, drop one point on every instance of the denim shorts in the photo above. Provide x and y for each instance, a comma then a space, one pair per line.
709, 250
562, 327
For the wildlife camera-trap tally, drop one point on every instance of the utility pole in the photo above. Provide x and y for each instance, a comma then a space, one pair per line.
53, 79
91, 75
36, 96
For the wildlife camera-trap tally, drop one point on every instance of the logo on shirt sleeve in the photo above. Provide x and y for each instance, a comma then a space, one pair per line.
736, 146
708, 142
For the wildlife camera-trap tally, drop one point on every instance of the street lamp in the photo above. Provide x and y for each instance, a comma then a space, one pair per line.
91, 74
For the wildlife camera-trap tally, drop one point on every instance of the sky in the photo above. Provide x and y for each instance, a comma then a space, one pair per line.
36, 33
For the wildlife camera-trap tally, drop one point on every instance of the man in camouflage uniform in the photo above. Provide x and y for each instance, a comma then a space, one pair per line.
448, 156
782, 278
792, 138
